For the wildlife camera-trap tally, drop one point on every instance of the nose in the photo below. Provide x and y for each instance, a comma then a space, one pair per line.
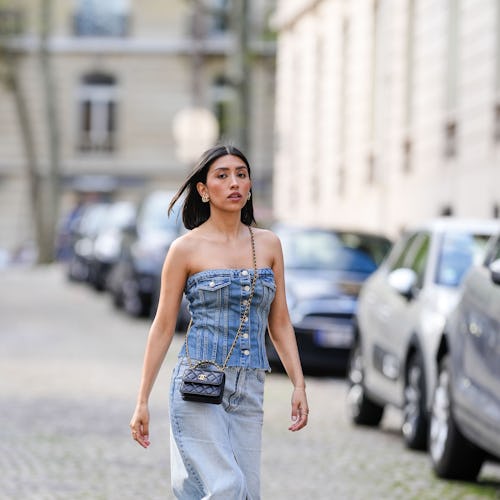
234, 180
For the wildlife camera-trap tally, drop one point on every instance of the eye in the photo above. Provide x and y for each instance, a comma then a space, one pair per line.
242, 175
222, 176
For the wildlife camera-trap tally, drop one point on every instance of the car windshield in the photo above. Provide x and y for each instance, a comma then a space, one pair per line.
154, 214
459, 251
335, 251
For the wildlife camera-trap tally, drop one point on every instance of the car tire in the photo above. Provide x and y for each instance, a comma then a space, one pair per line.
452, 455
133, 303
415, 423
362, 409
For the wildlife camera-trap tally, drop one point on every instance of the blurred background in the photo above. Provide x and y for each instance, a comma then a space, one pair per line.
364, 121
108, 100
369, 115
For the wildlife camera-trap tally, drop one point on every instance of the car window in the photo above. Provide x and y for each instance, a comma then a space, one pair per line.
401, 251
367, 246
496, 251
493, 251
417, 258
458, 251
328, 250
154, 214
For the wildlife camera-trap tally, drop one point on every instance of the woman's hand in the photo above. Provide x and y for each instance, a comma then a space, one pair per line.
139, 425
300, 409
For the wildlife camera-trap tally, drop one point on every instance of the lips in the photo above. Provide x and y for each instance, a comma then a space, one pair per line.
234, 196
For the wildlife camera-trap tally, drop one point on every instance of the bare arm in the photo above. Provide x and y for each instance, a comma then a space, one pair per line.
173, 278
283, 337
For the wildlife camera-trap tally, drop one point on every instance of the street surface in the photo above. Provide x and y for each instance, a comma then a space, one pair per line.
70, 368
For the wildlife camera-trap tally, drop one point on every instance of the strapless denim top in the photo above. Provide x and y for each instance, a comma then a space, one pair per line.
217, 299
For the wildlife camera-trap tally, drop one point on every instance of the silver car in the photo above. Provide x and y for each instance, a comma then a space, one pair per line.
465, 416
402, 309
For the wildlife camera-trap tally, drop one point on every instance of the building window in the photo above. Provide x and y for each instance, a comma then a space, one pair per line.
222, 99
11, 22
407, 154
220, 16
450, 127
446, 211
343, 104
409, 82
110, 18
97, 101
496, 107
375, 92
450, 138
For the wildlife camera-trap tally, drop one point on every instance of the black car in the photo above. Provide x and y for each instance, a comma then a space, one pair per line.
324, 270
133, 278
83, 233
465, 414
108, 241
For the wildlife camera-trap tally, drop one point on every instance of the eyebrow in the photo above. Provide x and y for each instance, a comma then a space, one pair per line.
227, 168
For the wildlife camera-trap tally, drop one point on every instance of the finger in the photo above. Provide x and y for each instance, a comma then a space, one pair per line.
300, 421
145, 430
137, 435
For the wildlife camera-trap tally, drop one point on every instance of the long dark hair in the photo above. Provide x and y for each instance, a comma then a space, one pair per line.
194, 211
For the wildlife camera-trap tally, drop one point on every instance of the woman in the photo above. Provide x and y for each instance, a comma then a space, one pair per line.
215, 449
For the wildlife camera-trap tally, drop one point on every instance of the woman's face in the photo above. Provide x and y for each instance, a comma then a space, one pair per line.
228, 183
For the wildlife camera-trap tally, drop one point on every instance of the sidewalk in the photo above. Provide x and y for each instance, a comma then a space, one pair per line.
70, 367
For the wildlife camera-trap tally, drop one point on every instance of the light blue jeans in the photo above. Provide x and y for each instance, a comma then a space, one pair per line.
215, 449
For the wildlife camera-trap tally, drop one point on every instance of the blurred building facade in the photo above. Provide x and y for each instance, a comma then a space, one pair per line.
387, 111
123, 69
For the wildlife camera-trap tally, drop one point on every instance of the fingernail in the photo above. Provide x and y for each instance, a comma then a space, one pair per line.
294, 417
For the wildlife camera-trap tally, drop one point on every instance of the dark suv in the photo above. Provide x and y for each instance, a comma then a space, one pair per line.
465, 415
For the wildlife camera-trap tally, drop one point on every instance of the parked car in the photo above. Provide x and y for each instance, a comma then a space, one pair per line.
324, 270
401, 313
144, 247
107, 243
83, 234
465, 415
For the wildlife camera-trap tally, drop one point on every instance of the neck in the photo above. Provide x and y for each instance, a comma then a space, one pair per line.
228, 225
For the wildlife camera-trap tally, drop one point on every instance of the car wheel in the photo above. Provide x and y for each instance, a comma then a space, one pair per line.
362, 409
415, 424
132, 302
452, 455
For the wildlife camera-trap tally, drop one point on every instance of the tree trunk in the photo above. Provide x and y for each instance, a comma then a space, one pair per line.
27, 138
50, 200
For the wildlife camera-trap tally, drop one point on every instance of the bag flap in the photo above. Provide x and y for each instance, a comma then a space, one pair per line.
207, 377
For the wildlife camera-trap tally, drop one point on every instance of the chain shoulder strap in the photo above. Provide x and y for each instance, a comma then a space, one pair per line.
243, 319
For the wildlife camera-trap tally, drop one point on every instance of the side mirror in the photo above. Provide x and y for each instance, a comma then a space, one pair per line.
495, 271
403, 280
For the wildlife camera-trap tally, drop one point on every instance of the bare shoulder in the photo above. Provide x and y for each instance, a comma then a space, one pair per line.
185, 244
268, 247
267, 237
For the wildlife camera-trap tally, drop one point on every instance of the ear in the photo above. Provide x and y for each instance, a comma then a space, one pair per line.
201, 188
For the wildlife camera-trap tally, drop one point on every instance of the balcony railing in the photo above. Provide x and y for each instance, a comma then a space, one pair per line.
102, 25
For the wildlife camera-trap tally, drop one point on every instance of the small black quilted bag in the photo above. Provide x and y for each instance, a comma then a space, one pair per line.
206, 385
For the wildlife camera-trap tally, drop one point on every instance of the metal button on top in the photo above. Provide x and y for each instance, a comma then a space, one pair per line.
244, 273
247, 288
245, 302
246, 352
245, 335
211, 284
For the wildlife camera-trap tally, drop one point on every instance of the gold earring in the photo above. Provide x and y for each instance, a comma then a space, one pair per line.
205, 198
249, 196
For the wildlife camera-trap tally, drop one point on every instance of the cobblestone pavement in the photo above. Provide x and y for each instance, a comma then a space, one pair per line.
70, 367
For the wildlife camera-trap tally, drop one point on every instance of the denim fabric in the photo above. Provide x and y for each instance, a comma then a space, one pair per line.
215, 449
217, 299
